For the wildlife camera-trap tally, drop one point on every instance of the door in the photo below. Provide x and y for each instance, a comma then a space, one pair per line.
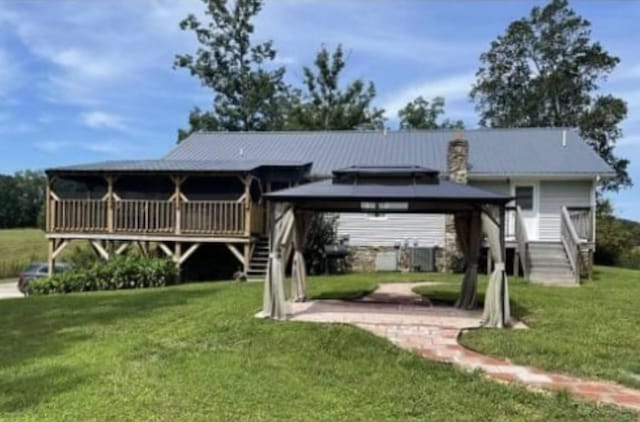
527, 198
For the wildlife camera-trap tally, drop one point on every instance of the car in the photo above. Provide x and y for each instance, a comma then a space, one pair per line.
38, 270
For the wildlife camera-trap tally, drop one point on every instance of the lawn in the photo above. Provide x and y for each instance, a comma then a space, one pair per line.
591, 330
195, 352
19, 247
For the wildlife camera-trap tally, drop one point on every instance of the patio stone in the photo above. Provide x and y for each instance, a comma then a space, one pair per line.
432, 333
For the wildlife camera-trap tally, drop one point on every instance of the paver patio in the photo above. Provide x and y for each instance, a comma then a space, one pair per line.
432, 332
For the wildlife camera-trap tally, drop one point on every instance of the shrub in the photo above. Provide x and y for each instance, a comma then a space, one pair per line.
123, 272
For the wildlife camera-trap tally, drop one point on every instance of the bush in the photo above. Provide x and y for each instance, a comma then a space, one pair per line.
123, 272
323, 230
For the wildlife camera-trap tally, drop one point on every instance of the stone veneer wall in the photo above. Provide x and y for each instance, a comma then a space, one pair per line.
363, 258
458, 168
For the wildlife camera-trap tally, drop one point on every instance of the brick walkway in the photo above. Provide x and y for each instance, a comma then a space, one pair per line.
432, 332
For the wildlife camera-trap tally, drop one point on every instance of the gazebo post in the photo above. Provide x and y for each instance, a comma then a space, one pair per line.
503, 247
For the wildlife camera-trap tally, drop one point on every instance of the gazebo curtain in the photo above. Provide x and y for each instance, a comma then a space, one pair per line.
274, 304
468, 233
298, 267
496, 302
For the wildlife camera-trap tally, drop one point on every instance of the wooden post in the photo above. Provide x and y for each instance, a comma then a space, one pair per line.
51, 262
177, 257
516, 263
110, 204
247, 205
177, 180
247, 258
48, 226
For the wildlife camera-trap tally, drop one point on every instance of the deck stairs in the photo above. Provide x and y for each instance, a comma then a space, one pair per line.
549, 263
259, 258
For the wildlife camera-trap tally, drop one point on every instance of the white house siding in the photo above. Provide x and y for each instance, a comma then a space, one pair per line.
365, 230
553, 196
500, 187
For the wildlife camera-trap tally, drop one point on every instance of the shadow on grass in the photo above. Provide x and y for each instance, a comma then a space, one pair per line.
24, 392
45, 326
447, 297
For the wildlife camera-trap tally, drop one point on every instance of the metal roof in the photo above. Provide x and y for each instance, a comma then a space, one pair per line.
493, 152
176, 166
444, 191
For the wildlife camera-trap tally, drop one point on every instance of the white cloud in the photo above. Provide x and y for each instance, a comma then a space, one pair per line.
453, 88
103, 120
112, 147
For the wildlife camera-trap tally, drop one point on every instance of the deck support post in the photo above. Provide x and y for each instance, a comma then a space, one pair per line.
247, 258
177, 258
516, 263
51, 262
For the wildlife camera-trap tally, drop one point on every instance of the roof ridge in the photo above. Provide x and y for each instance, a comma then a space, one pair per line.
369, 131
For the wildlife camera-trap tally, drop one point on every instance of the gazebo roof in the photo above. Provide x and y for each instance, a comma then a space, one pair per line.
396, 189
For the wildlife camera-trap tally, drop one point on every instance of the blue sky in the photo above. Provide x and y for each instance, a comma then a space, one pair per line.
93, 80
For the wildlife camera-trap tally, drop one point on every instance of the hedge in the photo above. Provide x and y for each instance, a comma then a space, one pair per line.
123, 272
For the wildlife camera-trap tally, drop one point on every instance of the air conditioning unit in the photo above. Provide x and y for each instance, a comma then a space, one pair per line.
423, 259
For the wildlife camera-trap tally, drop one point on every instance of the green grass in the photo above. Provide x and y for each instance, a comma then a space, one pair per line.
590, 331
195, 352
19, 247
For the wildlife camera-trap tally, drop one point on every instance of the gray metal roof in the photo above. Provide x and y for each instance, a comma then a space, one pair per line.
493, 152
176, 166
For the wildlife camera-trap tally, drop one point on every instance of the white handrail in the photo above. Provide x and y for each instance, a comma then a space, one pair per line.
571, 242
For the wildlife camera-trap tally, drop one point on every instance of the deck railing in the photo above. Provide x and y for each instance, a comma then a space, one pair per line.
202, 217
144, 216
571, 243
153, 217
582, 219
79, 215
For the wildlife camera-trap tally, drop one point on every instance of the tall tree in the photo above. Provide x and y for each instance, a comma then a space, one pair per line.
324, 105
248, 93
545, 71
422, 114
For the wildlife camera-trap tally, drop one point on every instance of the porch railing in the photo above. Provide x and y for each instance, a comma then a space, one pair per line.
582, 220
152, 217
571, 243
522, 240
144, 216
224, 217
79, 215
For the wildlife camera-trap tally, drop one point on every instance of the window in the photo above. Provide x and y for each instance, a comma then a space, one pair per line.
524, 197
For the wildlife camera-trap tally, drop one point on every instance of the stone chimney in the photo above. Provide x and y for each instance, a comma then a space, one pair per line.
450, 257
458, 159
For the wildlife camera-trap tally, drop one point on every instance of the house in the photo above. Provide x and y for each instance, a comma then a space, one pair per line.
208, 191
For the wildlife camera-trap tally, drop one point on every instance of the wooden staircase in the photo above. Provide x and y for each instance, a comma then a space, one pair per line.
549, 263
259, 258
557, 262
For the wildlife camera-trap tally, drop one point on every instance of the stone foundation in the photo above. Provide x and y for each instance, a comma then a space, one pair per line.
363, 258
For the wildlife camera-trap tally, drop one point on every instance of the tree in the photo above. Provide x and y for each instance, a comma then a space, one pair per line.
22, 199
614, 239
323, 105
248, 94
545, 71
420, 114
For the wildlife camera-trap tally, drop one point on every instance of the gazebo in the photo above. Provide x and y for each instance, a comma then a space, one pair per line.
409, 189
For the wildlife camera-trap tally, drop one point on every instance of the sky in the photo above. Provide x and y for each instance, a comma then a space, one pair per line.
93, 80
